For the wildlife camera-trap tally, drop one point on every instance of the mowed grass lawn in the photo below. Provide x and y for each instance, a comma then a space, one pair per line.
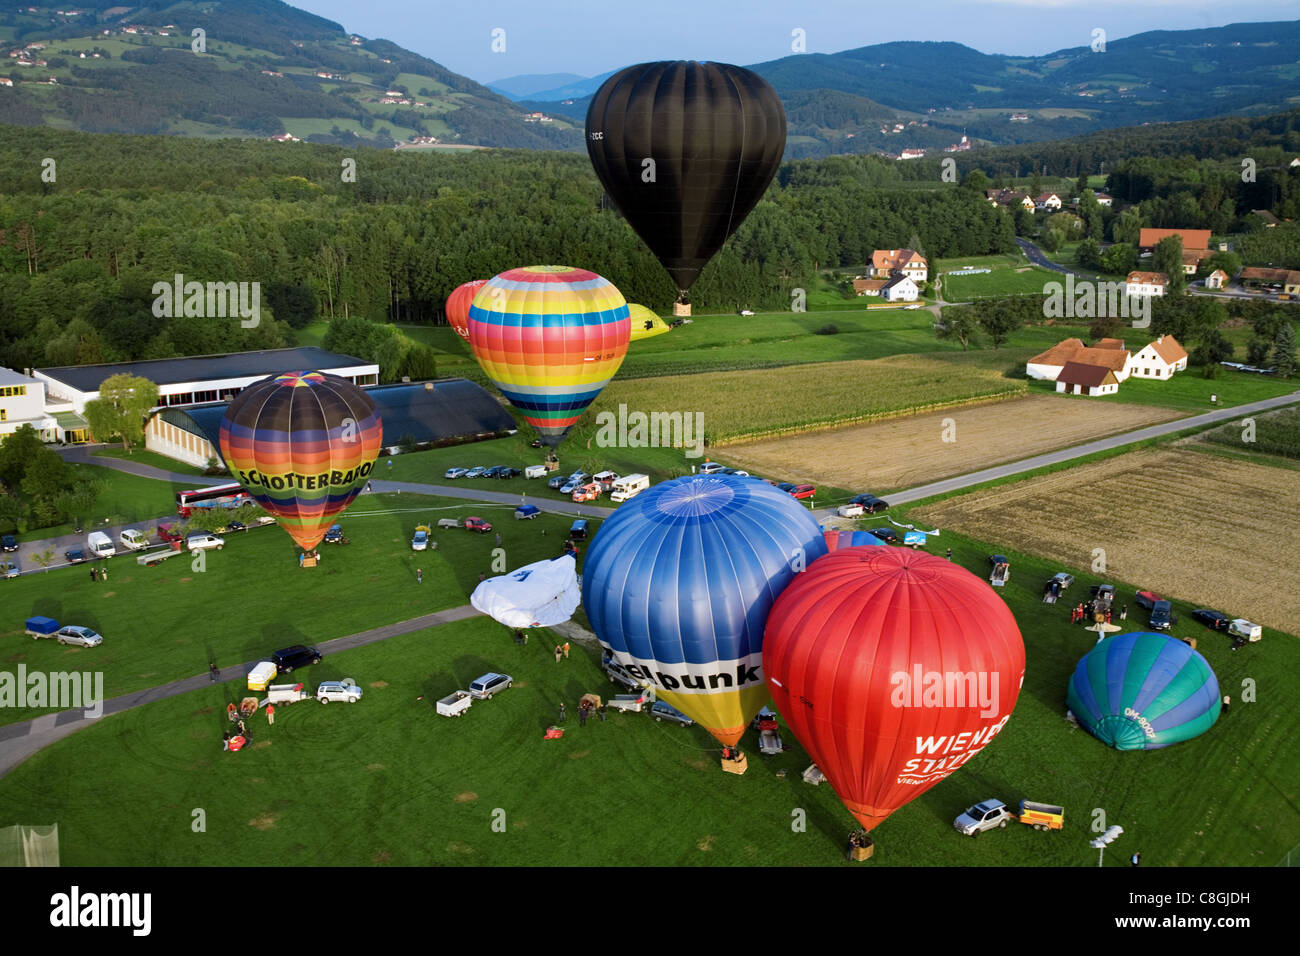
1189, 390
166, 622
1003, 280
386, 781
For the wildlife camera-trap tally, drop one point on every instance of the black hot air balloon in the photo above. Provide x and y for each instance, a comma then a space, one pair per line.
715, 133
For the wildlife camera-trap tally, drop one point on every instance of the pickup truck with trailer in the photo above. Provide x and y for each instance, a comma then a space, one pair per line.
455, 704
39, 627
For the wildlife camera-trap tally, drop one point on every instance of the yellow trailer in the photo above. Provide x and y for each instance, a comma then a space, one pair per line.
1041, 816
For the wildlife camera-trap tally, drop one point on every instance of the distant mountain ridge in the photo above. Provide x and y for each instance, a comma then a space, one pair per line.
263, 68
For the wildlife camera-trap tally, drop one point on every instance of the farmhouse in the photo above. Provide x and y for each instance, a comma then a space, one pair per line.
869, 286
1009, 197
900, 288
1196, 244
1105, 199
1049, 202
1048, 365
446, 411
1160, 359
886, 262
1258, 279
1079, 378
1146, 283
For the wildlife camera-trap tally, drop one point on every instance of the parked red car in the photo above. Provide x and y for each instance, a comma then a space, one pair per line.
169, 533
478, 524
803, 491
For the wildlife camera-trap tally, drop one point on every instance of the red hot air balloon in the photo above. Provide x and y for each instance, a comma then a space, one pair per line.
893, 669
457, 307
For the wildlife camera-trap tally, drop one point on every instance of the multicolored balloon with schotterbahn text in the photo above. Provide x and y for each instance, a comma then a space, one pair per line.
302, 444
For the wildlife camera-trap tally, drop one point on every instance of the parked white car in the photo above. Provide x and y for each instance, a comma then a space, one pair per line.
345, 689
79, 636
133, 540
203, 541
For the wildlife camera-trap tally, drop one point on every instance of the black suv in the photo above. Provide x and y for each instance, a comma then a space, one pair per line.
9, 542
300, 655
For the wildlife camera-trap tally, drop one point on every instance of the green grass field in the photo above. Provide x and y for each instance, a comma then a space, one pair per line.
163, 623
122, 498
999, 282
145, 457
386, 781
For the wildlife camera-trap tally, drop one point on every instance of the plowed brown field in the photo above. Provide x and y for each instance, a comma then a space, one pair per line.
1197, 527
908, 451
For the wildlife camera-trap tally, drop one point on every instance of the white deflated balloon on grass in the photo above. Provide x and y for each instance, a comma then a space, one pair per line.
540, 594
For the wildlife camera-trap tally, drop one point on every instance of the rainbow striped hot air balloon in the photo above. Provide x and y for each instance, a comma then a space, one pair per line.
302, 444
550, 338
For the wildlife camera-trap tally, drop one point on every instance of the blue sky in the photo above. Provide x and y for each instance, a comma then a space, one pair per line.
588, 37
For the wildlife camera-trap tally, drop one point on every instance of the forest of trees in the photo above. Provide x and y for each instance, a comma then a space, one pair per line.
79, 256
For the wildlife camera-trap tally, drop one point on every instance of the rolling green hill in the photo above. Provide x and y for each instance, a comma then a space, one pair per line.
262, 68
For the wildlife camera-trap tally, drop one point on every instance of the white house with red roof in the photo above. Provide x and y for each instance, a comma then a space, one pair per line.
1160, 359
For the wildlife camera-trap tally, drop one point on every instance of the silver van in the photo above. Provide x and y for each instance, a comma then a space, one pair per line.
489, 685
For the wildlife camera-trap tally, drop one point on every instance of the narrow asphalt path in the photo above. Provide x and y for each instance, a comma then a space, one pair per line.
958, 482
20, 741
1038, 258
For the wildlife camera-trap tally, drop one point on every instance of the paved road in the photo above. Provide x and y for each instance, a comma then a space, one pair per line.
20, 741
1036, 256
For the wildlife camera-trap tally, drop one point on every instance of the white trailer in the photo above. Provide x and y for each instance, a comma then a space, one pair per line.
285, 694
629, 486
535, 471
633, 702
455, 704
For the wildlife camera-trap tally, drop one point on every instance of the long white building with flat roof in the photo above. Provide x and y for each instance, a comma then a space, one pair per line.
185, 381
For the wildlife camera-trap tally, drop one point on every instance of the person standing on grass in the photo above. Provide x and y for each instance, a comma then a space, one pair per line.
559, 651
103, 574
601, 711
1123, 613
419, 575
566, 650
1227, 702
582, 716
93, 575
270, 713
562, 713
950, 554
498, 539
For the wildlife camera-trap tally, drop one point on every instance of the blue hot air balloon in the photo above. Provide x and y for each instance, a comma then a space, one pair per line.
1144, 691
679, 582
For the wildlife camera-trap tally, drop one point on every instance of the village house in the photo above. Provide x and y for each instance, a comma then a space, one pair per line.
1049, 202
1146, 283
1112, 356
900, 288
1078, 378
1105, 199
1216, 279
1196, 245
1258, 279
869, 286
1160, 359
886, 262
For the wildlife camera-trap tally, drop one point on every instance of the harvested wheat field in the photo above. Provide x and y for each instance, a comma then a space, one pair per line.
1196, 527
908, 451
